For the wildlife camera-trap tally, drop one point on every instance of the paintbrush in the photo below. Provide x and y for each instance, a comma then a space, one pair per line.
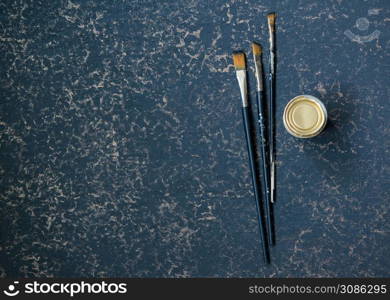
257, 51
240, 65
271, 123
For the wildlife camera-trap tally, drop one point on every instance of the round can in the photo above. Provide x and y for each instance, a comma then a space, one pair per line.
305, 116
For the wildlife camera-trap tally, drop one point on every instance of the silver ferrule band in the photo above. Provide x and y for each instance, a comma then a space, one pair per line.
271, 31
259, 74
272, 48
241, 77
272, 62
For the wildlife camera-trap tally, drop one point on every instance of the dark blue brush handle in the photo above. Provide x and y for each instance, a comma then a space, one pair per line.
259, 204
265, 163
271, 129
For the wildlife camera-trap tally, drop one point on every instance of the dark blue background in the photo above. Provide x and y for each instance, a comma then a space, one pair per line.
122, 147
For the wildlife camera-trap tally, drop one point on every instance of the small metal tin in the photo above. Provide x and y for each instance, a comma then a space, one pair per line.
305, 116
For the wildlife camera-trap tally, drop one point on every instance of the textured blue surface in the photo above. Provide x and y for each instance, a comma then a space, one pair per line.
122, 149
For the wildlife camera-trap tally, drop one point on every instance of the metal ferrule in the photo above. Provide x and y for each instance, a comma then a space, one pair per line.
272, 61
258, 72
241, 77
271, 29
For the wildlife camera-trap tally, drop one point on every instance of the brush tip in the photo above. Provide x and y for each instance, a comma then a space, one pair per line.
239, 60
271, 18
256, 49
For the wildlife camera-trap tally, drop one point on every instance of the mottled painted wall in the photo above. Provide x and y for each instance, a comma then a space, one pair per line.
122, 151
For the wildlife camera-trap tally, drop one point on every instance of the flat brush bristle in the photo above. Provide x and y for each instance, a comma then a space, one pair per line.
271, 18
256, 49
239, 60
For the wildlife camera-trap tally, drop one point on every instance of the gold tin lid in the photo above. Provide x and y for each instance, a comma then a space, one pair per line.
305, 116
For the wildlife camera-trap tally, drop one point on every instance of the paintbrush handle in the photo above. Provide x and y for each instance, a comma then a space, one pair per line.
271, 136
264, 158
259, 204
